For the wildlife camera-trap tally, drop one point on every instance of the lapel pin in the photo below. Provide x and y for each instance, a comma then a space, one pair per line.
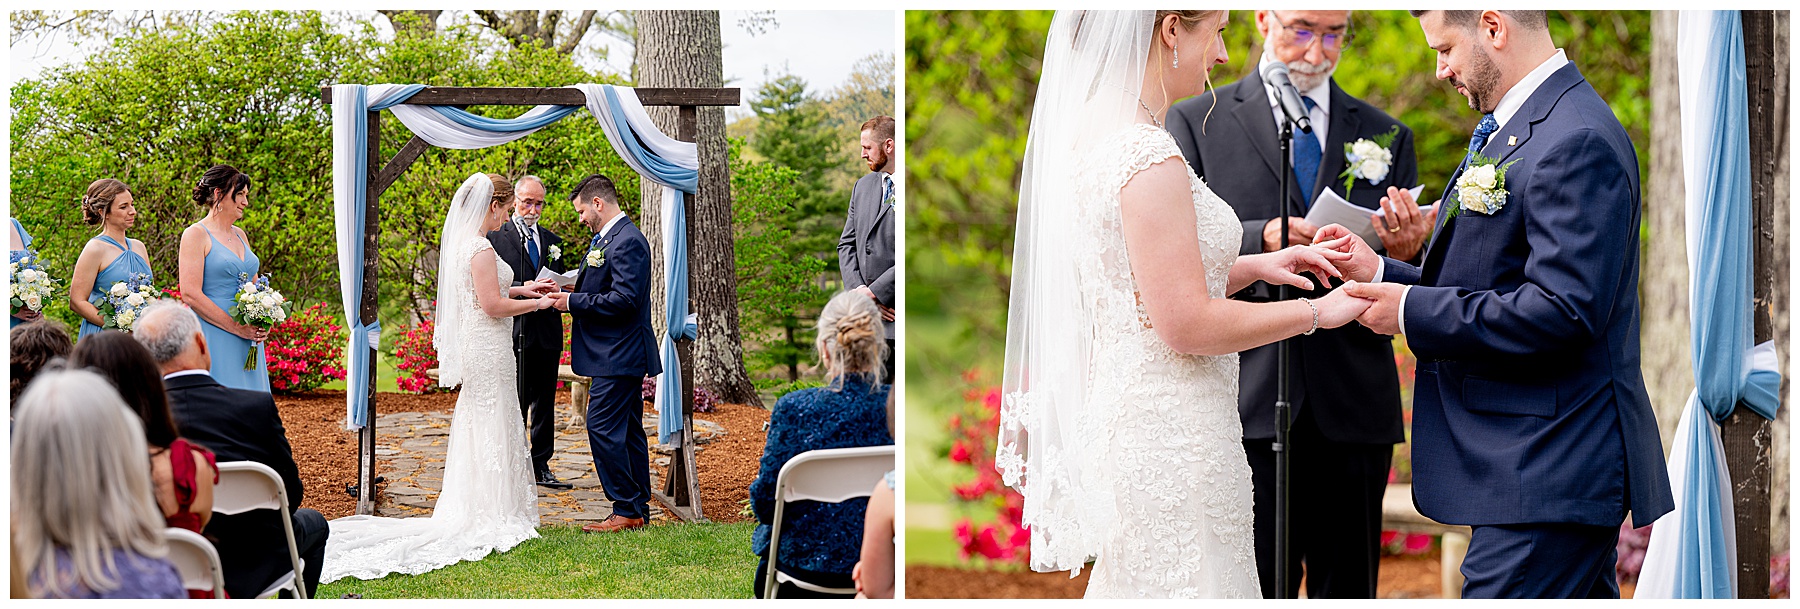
1512, 140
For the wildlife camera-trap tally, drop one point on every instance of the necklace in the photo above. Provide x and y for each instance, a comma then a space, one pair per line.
1147, 110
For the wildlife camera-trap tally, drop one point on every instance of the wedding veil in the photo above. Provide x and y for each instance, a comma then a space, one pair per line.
462, 226
1050, 441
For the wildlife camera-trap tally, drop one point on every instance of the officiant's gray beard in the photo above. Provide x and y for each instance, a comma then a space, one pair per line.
1306, 76
528, 221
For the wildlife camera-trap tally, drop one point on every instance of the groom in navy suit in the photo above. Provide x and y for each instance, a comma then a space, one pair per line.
612, 343
1530, 418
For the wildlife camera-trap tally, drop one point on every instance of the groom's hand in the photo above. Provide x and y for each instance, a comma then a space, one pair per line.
1384, 315
560, 300
1363, 260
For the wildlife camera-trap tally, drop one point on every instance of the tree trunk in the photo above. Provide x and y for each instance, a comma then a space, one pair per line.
1780, 500
420, 23
682, 49
1663, 281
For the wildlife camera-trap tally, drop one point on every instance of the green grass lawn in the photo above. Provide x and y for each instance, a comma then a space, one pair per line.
667, 561
384, 376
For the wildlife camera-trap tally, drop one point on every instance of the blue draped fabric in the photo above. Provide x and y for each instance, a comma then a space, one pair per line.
1720, 260
536, 118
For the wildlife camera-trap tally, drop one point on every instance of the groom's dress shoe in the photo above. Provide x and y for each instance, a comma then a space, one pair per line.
548, 480
613, 523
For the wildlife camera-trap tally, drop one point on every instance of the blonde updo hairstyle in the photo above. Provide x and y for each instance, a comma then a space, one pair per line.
98, 201
851, 339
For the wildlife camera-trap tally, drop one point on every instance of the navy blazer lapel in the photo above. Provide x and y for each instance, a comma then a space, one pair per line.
1345, 124
1258, 120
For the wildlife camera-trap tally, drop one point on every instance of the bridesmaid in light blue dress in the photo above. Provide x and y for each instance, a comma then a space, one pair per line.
21, 241
214, 252
109, 257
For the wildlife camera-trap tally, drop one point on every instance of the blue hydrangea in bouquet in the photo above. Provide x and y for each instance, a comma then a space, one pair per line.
257, 304
31, 286
121, 303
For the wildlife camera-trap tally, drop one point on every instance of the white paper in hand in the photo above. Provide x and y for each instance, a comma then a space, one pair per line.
1330, 208
563, 280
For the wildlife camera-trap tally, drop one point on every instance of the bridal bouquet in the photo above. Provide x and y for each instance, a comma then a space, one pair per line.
31, 286
120, 305
257, 304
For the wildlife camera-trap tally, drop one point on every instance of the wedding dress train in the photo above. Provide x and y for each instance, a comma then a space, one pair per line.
489, 501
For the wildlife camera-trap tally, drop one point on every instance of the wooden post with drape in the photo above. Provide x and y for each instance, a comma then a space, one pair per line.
682, 488
1747, 435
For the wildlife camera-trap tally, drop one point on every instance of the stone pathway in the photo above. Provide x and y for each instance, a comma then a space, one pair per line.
410, 455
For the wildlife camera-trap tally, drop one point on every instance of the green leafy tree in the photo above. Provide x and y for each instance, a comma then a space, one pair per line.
774, 281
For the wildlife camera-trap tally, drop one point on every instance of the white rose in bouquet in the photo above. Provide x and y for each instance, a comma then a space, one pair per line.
119, 289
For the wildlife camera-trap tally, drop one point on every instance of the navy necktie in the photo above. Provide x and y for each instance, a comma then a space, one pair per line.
1307, 154
1483, 131
531, 247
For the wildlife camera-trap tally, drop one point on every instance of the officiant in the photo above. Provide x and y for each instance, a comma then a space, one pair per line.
538, 335
1344, 388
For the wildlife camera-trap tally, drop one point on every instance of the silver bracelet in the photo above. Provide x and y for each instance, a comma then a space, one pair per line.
1315, 310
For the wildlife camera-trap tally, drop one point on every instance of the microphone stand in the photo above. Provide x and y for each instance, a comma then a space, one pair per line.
1282, 351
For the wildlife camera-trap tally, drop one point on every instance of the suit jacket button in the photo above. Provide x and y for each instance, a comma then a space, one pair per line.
869, 250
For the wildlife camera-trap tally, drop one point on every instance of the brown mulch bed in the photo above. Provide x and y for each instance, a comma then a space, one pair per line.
326, 452
727, 465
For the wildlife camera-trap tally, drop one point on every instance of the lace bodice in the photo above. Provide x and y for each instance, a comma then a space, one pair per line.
489, 501
1170, 436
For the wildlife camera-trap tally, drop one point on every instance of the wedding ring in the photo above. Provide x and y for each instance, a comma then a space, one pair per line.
1394, 229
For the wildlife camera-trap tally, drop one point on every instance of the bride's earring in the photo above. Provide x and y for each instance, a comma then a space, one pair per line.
1177, 62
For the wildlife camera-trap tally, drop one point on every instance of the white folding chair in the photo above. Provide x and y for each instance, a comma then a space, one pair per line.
196, 561
832, 475
246, 486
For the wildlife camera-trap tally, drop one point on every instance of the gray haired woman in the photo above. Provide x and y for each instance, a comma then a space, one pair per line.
84, 523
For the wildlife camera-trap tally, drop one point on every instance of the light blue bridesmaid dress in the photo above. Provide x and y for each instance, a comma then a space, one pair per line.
219, 281
121, 269
13, 255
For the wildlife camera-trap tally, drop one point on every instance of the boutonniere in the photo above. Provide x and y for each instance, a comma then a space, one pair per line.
555, 252
1481, 187
596, 258
1368, 159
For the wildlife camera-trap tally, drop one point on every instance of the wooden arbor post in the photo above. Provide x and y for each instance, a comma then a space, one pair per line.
682, 491
1747, 435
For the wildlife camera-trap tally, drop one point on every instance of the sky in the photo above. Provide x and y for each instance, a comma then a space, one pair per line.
821, 47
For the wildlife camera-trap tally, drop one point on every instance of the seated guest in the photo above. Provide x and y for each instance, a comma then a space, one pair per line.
34, 345
820, 542
184, 473
84, 523
874, 574
238, 425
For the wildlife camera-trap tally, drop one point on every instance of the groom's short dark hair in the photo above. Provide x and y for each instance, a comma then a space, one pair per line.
1531, 20
595, 186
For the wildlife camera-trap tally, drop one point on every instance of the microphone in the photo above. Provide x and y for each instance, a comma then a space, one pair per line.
1277, 74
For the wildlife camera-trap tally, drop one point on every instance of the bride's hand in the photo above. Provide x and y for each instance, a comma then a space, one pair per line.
1287, 265
542, 286
1339, 307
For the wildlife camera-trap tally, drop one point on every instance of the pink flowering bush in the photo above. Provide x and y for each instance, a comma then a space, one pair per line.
1005, 539
416, 355
305, 351
704, 399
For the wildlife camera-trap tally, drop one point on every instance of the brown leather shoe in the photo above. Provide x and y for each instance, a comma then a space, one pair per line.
613, 523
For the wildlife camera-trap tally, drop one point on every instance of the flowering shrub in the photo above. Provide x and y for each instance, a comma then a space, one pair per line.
1632, 545
305, 351
416, 356
1395, 543
1778, 575
704, 399
1004, 540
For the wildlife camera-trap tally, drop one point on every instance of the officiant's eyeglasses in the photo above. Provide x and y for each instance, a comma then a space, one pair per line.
1304, 38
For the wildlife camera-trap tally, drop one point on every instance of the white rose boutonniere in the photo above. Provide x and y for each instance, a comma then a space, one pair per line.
555, 252
1369, 159
1481, 188
596, 258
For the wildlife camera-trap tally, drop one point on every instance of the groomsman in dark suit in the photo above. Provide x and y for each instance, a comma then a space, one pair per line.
538, 335
866, 249
1343, 387
611, 342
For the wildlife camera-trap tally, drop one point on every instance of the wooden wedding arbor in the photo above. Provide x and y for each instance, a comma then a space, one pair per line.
681, 487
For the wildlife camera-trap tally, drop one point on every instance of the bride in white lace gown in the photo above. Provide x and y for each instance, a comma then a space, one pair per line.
1123, 434
489, 501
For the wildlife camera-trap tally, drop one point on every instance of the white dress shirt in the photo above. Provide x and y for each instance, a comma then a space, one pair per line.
609, 223
1509, 105
186, 373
